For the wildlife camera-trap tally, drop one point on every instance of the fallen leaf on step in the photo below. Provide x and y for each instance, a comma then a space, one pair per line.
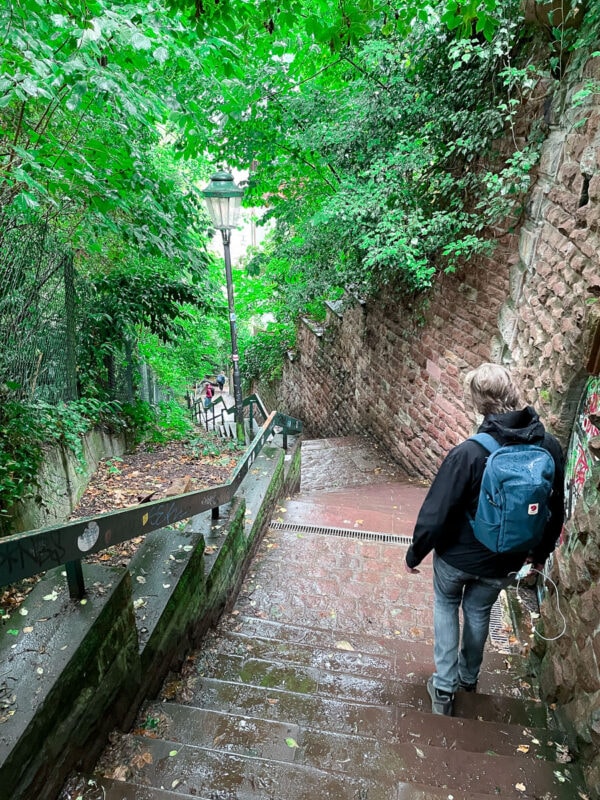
119, 774
523, 748
420, 753
142, 759
344, 645
291, 743
520, 787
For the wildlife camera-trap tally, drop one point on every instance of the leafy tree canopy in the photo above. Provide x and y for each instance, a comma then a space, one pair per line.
376, 156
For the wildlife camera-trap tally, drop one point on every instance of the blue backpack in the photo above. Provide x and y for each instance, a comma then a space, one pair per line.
513, 511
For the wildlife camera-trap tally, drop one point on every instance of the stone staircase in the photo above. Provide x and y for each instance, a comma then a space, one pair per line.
313, 686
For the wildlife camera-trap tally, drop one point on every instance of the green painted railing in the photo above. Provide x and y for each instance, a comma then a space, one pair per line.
25, 554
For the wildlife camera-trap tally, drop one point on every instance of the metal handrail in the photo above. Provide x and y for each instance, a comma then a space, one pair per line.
199, 409
25, 554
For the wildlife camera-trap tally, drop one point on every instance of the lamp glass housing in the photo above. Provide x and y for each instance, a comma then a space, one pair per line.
223, 200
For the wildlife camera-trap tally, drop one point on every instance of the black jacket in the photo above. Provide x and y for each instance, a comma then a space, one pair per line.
443, 522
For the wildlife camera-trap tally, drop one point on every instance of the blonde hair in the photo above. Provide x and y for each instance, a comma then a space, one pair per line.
492, 389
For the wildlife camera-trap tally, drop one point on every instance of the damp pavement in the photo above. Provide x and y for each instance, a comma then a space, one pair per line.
313, 686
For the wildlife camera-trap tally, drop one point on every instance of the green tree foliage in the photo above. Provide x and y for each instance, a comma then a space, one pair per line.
91, 95
87, 95
378, 162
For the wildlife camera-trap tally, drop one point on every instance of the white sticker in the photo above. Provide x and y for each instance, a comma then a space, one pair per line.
89, 537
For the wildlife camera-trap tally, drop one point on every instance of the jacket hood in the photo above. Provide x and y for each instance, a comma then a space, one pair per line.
515, 427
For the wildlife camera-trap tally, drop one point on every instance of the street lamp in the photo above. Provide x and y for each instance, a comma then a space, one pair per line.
223, 200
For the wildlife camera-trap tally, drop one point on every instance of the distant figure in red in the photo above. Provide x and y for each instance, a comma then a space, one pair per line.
209, 395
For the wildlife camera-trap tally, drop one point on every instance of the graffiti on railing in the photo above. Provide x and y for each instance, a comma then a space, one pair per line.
26, 554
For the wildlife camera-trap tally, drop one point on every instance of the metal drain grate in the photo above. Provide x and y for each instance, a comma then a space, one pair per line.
498, 635
351, 533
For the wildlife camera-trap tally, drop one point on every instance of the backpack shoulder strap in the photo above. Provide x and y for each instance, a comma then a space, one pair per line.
487, 441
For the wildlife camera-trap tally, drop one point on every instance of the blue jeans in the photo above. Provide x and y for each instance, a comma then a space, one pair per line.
456, 661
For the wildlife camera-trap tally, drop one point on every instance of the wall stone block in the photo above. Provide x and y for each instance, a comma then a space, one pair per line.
527, 243
575, 144
581, 239
552, 154
570, 177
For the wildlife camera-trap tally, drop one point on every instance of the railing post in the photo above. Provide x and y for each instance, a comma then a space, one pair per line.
215, 513
75, 580
250, 418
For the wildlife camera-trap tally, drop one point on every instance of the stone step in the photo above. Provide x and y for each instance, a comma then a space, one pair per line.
323, 767
404, 660
207, 772
361, 717
261, 628
207, 728
125, 790
100, 788
410, 692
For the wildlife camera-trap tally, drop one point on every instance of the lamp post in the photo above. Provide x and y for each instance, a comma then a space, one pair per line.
223, 200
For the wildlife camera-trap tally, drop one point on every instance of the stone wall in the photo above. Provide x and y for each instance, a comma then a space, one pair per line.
551, 316
395, 372
62, 479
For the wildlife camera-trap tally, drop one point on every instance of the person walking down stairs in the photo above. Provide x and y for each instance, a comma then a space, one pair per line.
468, 573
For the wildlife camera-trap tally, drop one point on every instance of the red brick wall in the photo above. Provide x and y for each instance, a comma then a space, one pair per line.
378, 369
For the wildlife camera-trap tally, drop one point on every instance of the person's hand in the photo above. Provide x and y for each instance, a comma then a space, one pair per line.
536, 568
411, 570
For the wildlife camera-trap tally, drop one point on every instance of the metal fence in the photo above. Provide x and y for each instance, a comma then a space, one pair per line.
43, 312
36, 353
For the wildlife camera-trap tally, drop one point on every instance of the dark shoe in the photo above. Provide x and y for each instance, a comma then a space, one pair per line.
441, 702
467, 687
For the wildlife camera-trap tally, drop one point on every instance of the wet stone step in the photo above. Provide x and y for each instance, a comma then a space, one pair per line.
413, 662
243, 735
479, 736
305, 710
98, 788
345, 766
410, 692
120, 790
199, 772
268, 737
400, 648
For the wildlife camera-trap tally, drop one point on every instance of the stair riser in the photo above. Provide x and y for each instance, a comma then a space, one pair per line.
413, 662
410, 693
214, 729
